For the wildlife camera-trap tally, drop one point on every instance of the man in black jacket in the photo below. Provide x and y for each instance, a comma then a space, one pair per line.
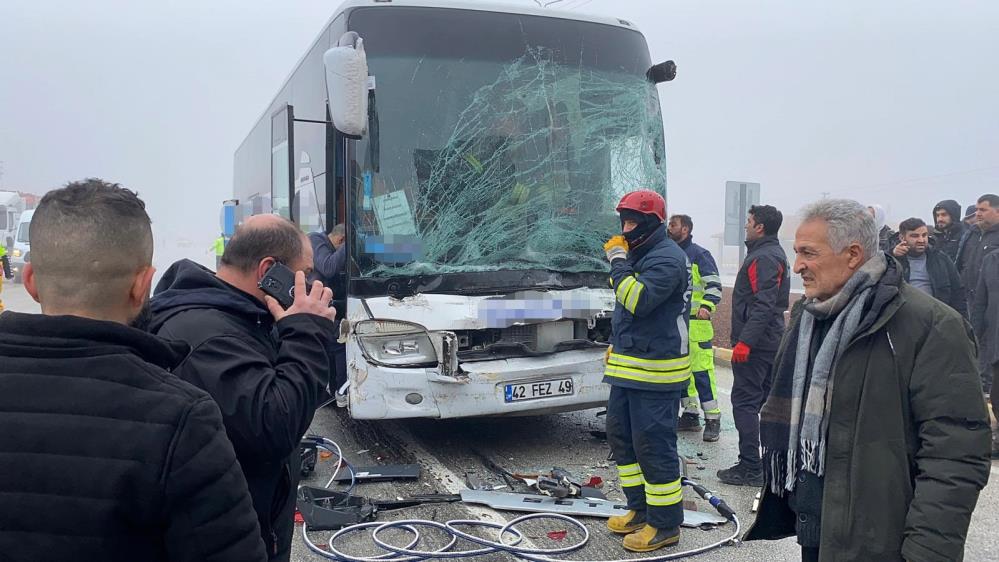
951, 232
983, 240
759, 299
928, 269
266, 367
104, 455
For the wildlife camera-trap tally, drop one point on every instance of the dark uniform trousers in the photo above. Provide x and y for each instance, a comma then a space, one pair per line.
641, 431
750, 388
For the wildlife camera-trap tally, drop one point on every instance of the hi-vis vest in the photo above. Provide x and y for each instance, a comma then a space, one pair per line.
649, 330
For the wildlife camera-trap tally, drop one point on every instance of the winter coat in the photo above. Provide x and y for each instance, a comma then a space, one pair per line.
979, 244
760, 295
267, 378
649, 343
950, 241
104, 455
944, 279
985, 309
909, 440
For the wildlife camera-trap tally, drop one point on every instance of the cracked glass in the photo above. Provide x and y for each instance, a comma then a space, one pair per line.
504, 145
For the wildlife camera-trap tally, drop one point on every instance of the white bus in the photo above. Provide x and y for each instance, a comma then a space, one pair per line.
477, 195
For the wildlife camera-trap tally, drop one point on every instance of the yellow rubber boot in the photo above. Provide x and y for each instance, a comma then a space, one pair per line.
627, 523
650, 538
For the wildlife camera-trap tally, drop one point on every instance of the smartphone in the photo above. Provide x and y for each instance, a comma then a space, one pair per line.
279, 283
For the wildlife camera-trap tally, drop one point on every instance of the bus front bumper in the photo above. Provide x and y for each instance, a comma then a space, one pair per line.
559, 382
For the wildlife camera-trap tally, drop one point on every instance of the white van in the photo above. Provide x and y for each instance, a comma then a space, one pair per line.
20, 253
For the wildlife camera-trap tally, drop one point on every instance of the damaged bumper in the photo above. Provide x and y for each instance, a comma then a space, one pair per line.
558, 382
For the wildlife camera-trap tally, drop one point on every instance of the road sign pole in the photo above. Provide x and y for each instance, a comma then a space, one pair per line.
743, 212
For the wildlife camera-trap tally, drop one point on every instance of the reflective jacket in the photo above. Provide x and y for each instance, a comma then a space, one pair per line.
5, 263
649, 328
707, 289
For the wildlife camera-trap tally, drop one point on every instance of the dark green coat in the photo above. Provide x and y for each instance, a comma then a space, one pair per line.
908, 445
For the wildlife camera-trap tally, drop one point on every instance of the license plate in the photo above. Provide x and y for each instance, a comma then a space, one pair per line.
540, 389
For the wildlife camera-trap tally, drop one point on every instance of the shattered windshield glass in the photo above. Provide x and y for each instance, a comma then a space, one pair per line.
504, 148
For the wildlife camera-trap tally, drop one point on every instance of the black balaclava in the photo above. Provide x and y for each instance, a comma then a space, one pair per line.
647, 224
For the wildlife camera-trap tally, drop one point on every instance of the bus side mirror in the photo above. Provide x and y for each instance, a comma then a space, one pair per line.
662, 72
347, 85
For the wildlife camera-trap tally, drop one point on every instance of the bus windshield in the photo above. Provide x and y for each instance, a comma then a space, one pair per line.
498, 141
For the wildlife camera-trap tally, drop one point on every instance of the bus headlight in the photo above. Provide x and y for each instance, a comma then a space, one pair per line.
396, 343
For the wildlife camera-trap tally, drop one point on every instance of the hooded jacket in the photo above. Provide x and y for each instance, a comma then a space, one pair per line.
266, 377
907, 451
104, 455
951, 240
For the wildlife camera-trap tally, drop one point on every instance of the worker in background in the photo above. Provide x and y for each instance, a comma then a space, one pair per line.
648, 368
219, 248
707, 293
6, 273
759, 299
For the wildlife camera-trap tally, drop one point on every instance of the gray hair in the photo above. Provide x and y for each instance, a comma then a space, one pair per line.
338, 230
848, 221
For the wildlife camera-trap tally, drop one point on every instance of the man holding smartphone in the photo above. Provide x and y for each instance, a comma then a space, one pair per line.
266, 366
926, 268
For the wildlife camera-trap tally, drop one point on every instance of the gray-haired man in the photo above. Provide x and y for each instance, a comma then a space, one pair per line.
875, 437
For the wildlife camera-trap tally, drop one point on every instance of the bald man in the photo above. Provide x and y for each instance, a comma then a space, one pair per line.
267, 367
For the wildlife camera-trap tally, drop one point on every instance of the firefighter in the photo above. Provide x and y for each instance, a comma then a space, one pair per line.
5, 271
648, 368
706, 296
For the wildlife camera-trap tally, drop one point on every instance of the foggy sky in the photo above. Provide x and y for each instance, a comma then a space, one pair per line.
889, 102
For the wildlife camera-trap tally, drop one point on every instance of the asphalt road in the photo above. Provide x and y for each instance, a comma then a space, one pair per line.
447, 450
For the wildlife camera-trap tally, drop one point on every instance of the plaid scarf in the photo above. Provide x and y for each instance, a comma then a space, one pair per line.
795, 419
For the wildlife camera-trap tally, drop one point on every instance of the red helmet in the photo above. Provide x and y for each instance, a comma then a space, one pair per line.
644, 201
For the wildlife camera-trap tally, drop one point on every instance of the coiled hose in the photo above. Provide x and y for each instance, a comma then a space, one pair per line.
509, 538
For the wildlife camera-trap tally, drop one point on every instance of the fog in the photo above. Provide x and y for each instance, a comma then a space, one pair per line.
890, 102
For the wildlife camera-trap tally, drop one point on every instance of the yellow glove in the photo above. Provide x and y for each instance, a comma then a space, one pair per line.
607, 353
616, 248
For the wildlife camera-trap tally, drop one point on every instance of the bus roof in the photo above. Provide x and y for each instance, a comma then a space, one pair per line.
483, 6
486, 6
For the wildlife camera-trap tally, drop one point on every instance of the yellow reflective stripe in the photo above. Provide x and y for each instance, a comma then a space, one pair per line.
662, 489
663, 494
660, 501
633, 297
645, 376
632, 481
624, 287
650, 364
629, 469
